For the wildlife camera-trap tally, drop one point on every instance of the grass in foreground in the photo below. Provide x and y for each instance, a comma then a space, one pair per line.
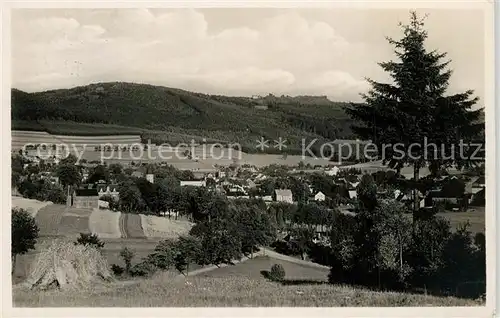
170, 290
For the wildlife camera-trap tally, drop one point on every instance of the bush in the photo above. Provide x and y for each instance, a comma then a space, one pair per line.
144, 268
163, 255
277, 273
117, 270
89, 240
127, 256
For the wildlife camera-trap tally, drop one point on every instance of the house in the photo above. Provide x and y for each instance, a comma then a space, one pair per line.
196, 183
267, 198
408, 198
284, 195
85, 198
333, 171
201, 173
436, 195
353, 194
137, 174
221, 174
108, 190
260, 177
251, 183
236, 189
320, 196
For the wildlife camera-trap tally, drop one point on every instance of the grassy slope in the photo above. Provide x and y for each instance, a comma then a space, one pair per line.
223, 289
476, 219
159, 112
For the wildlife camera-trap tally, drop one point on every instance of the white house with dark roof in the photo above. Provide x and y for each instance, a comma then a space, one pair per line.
108, 190
320, 196
284, 195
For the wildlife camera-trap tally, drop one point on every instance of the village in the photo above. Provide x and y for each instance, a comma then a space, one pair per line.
332, 186
284, 157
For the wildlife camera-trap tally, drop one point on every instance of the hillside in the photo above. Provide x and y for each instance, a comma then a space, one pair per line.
235, 285
160, 112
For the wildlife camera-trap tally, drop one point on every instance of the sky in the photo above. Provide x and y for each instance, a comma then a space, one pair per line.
239, 52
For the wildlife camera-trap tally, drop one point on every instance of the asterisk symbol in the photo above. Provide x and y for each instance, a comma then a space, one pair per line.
262, 144
280, 143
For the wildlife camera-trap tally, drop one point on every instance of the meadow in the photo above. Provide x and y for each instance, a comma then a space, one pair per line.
117, 230
475, 216
235, 285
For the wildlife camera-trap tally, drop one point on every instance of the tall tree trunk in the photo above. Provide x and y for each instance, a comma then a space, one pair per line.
400, 256
14, 258
416, 171
378, 272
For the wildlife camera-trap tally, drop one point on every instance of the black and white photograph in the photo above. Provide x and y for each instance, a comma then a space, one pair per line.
233, 156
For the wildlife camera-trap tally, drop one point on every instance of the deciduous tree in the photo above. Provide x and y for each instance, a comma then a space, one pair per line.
24, 234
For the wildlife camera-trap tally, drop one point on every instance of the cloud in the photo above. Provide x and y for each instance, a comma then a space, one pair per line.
338, 80
286, 53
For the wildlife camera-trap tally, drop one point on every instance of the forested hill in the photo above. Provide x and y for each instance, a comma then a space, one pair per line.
162, 109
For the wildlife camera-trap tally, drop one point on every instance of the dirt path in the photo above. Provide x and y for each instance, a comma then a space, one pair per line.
290, 259
122, 223
134, 227
131, 226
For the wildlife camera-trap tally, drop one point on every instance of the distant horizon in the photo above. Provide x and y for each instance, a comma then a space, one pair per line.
235, 52
210, 94
177, 88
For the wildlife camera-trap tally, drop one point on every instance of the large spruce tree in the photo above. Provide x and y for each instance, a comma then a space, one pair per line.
415, 105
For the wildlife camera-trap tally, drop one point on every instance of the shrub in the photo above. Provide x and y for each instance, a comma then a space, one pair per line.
164, 254
89, 240
127, 256
117, 270
277, 273
144, 268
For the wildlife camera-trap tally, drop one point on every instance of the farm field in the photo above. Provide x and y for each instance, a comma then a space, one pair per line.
61, 127
59, 220
116, 229
85, 143
30, 205
105, 223
236, 285
154, 226
476, 219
